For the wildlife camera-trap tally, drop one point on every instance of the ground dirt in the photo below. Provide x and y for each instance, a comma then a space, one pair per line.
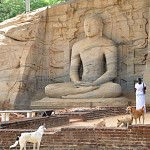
110, 122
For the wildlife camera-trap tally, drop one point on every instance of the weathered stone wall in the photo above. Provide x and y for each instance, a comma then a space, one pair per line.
147, 68
36, 47
33, 123
22, 56
97, 113
125, 22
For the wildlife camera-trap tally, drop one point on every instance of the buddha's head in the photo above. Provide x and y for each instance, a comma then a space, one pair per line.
93, 25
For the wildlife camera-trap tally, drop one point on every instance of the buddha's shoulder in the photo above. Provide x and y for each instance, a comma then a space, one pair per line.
103, 41
79, 43
107, 42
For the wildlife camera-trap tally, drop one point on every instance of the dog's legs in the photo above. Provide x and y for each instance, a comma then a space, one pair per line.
143, 118
38, 145
127, 125
34, 145
25, 145
139, 121
135, 121
22, 145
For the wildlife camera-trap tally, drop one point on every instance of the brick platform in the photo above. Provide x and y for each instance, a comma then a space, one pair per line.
136, 137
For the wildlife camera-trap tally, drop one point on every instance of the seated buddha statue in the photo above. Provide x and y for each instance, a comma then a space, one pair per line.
98, 56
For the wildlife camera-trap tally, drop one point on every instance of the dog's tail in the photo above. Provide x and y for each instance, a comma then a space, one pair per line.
16, 143
143, 110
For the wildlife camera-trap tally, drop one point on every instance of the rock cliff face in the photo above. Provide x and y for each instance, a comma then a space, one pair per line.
21, 56
35, 48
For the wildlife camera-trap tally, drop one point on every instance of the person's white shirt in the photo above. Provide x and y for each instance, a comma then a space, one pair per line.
139, 88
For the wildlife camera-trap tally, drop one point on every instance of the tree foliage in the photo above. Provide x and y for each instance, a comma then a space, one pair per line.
11, 8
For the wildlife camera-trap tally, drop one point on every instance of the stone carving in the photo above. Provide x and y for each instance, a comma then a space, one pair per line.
99, 60
35, 48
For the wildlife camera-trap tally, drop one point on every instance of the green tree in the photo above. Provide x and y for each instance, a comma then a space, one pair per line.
52, 2
35, 4
11, 8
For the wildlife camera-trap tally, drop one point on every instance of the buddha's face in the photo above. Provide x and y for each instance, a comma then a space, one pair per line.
92, 27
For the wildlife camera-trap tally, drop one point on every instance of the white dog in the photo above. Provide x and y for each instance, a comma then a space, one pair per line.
33, 137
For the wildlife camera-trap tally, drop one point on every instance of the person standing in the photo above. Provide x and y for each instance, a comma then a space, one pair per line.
140, 89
